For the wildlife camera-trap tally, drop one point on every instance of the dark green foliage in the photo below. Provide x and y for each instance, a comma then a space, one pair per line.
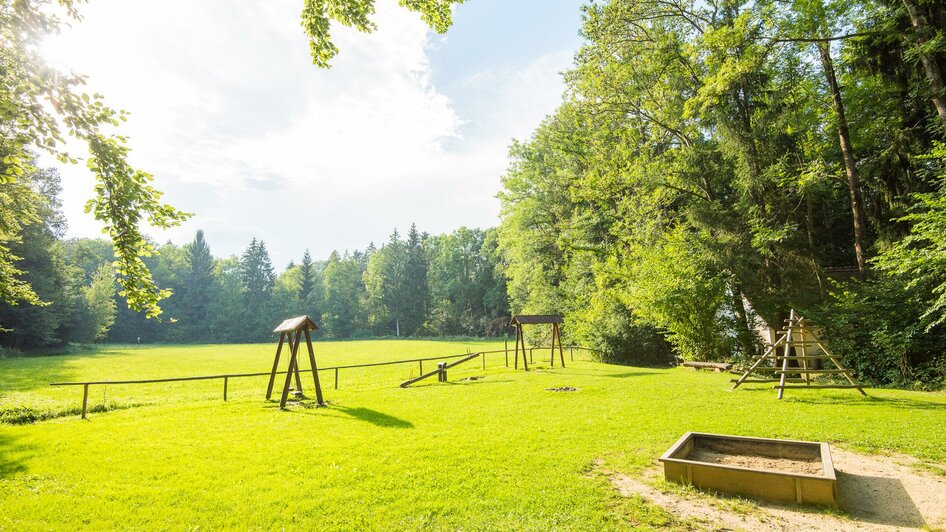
712, 163
876, 326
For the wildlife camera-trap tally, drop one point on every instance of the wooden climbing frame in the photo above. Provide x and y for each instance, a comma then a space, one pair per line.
794, 343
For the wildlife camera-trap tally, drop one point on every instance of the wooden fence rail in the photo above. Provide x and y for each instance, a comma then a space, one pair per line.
227, 376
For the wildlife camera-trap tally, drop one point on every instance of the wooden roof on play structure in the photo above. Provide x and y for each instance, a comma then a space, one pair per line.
299, 323
532, 319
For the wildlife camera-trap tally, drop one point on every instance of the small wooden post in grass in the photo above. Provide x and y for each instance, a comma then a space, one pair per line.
442, 372
85, 400
291, 332
225, 379
483, 356
336, 378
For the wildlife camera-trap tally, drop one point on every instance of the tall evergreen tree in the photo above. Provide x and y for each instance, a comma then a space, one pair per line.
258, 278
198, 288
306, 277
414, 296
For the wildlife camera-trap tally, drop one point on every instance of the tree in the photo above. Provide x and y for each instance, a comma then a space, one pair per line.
99, 298
344, 289
317, 16
44, 319
258, 278
197, 289
415, 290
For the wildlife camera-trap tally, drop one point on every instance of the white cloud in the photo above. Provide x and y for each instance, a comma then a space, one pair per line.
238, 126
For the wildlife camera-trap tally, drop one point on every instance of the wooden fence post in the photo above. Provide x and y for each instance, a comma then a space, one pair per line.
483, 356
225, 379
336, 378
421, 363
85, 399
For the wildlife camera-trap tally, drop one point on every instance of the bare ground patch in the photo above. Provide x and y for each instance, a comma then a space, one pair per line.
876, 493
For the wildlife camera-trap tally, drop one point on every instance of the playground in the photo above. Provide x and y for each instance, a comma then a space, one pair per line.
489, 448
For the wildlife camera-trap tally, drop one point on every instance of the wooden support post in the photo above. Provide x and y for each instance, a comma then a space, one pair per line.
295, 349
804, 353
85, 400
272, 377
561, 353
442, 372
525, 363
315, 369
421, 367
552, 360
788, 347
483, 357
516, 361
336, 378
292, 369
225, 379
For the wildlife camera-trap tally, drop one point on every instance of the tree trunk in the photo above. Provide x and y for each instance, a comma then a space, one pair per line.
933, 71
847, 153
744, 330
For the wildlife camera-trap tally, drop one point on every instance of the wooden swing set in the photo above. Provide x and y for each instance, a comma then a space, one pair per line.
537, 319
291, 332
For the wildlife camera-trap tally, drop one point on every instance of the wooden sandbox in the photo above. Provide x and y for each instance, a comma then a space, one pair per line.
775, 470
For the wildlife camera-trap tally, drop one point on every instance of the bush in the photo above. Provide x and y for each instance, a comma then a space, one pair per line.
877, 327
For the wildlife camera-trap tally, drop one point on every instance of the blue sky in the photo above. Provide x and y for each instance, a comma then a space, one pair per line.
238, 127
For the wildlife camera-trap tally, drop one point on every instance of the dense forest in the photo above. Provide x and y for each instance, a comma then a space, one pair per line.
418, 285
715, 164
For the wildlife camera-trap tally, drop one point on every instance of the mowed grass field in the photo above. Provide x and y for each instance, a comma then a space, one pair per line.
495, 453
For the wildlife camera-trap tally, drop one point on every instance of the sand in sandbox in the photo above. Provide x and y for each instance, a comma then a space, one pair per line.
727, 453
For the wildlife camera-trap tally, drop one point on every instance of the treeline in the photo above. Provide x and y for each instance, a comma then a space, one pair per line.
715, 164
418, 285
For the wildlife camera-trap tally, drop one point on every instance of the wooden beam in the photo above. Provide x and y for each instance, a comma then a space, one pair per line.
292, 369
85, 400
272, 376
315, 369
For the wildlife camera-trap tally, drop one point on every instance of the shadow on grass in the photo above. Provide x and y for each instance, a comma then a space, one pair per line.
623, 375
8, 465
374, 417
860, 400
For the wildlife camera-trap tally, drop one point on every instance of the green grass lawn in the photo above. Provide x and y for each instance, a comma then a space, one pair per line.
496, 453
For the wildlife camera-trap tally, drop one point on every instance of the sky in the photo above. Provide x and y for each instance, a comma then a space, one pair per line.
238, 127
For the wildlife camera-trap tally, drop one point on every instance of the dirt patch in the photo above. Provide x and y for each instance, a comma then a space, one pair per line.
562, 389
757, 462
875, 493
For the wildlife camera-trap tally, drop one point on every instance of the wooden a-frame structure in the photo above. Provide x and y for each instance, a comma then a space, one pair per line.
537, 319
794, 343
291, 332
